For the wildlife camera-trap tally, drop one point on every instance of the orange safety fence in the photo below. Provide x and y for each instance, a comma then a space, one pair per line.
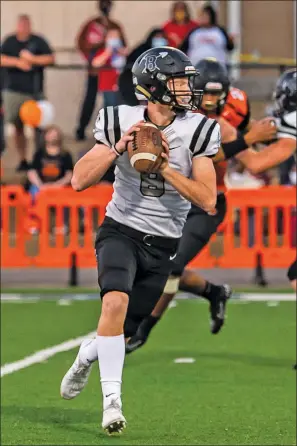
258, 222
86, 211
267, 227
14, 205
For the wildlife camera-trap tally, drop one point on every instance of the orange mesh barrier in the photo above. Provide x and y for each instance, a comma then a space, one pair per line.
14, 204
81, 214
258, 221
264, 227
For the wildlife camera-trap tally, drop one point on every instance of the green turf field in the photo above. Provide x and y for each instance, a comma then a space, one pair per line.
240, 390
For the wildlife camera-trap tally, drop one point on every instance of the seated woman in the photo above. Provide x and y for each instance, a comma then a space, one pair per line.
52, 166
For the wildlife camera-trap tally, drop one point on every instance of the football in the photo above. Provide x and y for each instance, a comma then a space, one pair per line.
145, 149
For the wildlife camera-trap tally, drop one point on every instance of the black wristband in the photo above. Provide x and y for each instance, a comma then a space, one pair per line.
231, 149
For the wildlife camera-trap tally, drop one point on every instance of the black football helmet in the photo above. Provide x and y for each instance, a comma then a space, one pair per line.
213, 79
156, 68
285, 94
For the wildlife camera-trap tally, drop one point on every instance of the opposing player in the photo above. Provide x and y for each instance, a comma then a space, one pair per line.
146, 215
285, 145
230, 107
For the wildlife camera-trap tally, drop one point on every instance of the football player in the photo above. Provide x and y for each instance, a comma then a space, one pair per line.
284, 146
230, 107
145, 218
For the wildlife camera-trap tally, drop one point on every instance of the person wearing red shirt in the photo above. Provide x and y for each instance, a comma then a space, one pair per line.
90, 39
112, 58
180, 24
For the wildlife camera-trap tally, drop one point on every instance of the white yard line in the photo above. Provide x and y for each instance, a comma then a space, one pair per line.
43, 355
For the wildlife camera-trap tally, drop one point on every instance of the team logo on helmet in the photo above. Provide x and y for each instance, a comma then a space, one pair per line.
150, 62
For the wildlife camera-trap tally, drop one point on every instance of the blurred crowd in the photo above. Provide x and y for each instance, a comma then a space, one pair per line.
109, 59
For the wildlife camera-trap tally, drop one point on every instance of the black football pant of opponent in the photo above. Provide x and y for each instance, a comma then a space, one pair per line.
197, 232
133, 263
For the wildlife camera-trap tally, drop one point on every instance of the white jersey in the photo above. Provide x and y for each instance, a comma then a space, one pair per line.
146, 202
286, 126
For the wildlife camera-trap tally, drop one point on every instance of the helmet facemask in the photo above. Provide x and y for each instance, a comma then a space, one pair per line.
285, 100
219, 96
172, 90
285, 94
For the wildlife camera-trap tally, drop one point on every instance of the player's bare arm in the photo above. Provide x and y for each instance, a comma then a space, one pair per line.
263, 130
89, 170
201, 189
270, 156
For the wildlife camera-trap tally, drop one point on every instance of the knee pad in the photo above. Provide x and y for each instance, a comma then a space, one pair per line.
292, 271
172, 285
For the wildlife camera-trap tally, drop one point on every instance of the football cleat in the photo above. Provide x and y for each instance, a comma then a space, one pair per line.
218, 309
113, 421
77, 376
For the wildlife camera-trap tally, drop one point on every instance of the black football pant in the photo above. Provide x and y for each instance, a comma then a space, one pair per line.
134, 263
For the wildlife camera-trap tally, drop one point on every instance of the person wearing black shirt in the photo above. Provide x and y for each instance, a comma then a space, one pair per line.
51, 166
23, 57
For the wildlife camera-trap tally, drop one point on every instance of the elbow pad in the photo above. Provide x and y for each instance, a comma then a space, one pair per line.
231, 149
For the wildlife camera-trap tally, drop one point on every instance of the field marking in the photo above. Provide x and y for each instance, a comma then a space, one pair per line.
248, 297
43, 355
237, 297
184, 360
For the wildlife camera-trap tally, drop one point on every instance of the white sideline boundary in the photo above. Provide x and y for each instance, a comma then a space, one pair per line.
251, 297
43, 355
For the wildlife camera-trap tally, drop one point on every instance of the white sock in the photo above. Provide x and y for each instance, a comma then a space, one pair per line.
88, 351
111, 355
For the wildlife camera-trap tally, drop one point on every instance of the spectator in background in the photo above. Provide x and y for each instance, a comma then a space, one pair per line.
2, 139
208, 39
52, 165
180, 24
23, 56
90, 39
113, 56
156, 38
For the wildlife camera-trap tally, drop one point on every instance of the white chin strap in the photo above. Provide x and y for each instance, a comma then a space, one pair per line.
172, 285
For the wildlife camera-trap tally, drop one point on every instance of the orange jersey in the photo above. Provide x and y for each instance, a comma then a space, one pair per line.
237, 109
237, 112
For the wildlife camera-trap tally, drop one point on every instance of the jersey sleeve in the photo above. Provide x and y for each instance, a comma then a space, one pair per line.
107, 126
206, 139
43, 46
286, 126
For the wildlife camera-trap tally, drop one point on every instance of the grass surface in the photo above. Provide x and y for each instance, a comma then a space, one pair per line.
240, 390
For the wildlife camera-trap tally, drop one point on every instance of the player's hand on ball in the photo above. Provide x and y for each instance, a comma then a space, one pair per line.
121, 145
